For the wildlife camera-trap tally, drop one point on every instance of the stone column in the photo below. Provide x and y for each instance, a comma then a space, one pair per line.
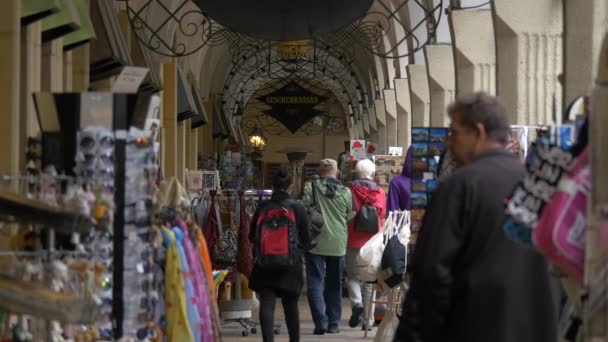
30, 84
529, 58
472, 34
419, 94
585, 23
52, 66
365, 125
182, 128
381, 123
68, 70
404, 114
10, 66
193, 157
169, 120
296, 164
442, 82
390, 105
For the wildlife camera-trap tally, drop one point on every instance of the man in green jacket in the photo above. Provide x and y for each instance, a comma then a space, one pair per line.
325, 262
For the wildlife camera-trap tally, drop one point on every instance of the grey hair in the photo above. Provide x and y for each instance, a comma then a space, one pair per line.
365, 169
485, 109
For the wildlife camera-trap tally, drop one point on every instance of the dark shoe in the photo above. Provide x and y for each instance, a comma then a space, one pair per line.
319, 331
355, 318
333, 331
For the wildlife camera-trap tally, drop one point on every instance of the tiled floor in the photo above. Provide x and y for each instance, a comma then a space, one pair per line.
232, 333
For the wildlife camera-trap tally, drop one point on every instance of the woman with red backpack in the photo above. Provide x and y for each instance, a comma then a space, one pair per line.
280, 235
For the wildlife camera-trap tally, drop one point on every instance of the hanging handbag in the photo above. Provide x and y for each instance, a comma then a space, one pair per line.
560, 234
211, 227
315, 214
226, 248
244, 259
545, 164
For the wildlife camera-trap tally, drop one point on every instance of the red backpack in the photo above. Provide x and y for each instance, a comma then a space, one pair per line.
276, 246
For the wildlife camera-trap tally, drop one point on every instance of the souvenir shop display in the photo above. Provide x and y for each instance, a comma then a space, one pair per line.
428, 144
549, 158
387, 167
369, 263
227, 215
237, 170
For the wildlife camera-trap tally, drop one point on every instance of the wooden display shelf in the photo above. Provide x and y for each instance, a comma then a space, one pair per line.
36, 212
27, 298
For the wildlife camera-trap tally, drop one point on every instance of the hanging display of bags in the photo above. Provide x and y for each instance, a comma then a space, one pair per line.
244, 259
368, 263
546, 163
560, 234
394, 258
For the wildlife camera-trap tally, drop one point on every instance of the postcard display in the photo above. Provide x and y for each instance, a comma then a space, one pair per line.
427, 146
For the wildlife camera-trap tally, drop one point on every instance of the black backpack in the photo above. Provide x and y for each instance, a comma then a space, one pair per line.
367, 220
276, 246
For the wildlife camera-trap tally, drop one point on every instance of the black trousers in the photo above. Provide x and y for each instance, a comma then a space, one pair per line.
290, 307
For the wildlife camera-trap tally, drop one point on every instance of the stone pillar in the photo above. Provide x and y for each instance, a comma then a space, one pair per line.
68, 69
529, 58
52, 66
30, 84
585, 23
193, 157
296, 163
442, 81
365, 124
419, 95
390, 105
472, 35
10, 66
169, 120
381, 123
182, 128
404, 115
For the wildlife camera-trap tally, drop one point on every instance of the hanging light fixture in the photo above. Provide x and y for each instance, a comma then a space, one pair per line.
257, 139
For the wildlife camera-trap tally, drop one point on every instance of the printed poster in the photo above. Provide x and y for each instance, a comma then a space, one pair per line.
358, 150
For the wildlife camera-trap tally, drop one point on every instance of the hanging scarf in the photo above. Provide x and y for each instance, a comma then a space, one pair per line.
201, 295
244, 259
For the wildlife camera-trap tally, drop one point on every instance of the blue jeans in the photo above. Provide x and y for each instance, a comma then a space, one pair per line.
324, 283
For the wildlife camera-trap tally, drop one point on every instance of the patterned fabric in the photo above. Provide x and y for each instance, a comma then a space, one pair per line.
178, 328
194, 318
198, 281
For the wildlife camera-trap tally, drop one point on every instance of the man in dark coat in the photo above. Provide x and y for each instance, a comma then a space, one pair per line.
470, 283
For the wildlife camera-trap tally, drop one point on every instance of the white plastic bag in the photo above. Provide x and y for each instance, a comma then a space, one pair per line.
368, 261
367, 264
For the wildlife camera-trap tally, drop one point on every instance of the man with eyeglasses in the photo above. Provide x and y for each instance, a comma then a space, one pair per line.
470, 283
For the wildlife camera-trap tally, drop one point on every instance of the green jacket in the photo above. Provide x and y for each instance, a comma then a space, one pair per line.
336, 202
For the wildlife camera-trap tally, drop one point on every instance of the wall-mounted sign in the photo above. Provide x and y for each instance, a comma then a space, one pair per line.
293, 105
